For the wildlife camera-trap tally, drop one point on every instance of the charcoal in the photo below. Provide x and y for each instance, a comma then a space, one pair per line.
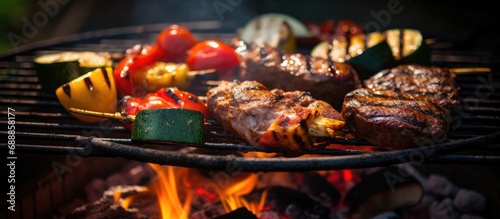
376, 193
444, 209
241, 213
468, 201
208, 211
373, 184
104, 208
124, 190
291, 203
440, 186
318, 188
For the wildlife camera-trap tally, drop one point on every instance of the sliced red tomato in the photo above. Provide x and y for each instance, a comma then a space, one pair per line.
213, 54
174, 41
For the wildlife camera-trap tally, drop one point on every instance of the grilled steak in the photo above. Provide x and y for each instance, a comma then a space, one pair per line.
435, 83
272, 117
394, 120
324, 79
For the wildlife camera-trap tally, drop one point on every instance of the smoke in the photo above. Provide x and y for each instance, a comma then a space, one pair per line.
157, 11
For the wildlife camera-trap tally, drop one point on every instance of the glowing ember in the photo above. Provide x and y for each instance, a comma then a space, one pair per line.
176, 188
185, 192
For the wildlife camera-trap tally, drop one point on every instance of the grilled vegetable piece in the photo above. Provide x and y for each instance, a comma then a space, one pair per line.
325, 79
161, 74
395, 120
373, 52
168, 97
367, 53
213, 54
94, 91
274, 30
168, 125
56, 69
174, 41
136, 59
408, 46
432, 82
273, 118
327, 29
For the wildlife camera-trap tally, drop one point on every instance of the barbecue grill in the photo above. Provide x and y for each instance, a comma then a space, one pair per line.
44, 127
44, 130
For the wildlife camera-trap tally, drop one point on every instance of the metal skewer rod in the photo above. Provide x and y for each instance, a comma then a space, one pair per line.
470, 70
116, 115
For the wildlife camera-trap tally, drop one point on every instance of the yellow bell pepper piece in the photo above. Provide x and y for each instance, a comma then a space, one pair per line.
93, 91
162, 74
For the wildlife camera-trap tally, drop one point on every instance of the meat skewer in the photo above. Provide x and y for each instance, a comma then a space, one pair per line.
272, 118
324, 79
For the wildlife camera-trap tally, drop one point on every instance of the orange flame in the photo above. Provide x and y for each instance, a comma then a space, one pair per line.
175, 188
168, 195
233, 202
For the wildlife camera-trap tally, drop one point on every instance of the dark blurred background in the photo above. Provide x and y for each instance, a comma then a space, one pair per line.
473, 23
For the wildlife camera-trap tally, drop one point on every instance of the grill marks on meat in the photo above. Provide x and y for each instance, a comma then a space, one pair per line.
325, 80
395, 120
272, 117
431, 82
403, 107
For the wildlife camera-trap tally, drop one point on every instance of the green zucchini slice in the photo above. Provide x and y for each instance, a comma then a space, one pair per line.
367, 53
54, 70
408, 46
168, 125
373, 52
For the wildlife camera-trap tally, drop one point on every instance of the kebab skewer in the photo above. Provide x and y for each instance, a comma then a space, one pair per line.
273, 118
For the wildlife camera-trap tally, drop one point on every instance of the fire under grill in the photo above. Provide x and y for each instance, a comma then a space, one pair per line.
44, 127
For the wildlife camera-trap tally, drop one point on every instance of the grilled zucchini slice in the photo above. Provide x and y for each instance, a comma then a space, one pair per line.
373, 52
56, 69
168, 125
408, 46
276, 30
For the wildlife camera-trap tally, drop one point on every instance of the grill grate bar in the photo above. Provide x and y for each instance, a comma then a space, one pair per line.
52, 149
208, 161
43, 115
216, 146
53, 126
41, 103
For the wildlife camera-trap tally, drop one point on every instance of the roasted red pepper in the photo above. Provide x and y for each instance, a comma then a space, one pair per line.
183, 99
135, 60
168, 97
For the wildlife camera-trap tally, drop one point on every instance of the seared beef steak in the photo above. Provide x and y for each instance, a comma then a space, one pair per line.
272, 117
325, 80
394, 120
435, 83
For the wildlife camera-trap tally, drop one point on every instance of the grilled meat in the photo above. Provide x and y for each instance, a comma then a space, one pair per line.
394, 120
272, 117
324, 79
435, 83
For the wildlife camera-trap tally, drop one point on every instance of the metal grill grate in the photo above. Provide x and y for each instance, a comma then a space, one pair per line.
43, 126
